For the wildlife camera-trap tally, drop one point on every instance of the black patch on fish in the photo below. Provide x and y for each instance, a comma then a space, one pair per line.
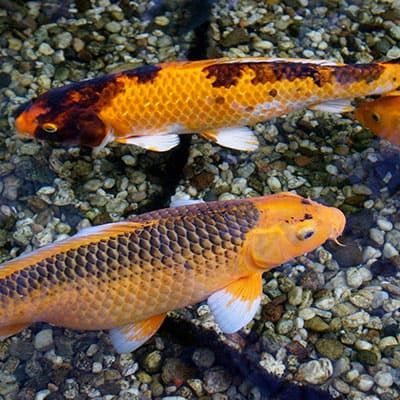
347, 74
144, 74
291, 70
229, 74
273, 93
226, 75
307, 216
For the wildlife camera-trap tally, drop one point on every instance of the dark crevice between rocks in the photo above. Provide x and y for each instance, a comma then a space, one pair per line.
244, 363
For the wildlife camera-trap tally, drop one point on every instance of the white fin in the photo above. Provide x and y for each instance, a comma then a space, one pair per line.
334, 106
235, 306
129, 337
152, 142
238, 138
184, 202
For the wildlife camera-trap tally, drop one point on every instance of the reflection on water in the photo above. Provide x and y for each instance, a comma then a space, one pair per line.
329, 320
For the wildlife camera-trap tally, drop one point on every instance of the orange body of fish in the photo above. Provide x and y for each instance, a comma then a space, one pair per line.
126, 276
382, 116
150, 106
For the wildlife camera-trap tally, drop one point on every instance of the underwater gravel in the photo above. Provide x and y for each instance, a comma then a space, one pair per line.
329, 319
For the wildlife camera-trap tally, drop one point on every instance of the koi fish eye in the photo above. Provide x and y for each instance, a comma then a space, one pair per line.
50, 128
305, 234
375, 117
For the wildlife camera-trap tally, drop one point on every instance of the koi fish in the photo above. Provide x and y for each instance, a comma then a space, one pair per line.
151, 105
382, 116
126, 276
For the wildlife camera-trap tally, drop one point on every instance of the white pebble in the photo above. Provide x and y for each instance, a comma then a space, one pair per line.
46, 49
274, 184
383, 379
389, 250
384, 224
365, 383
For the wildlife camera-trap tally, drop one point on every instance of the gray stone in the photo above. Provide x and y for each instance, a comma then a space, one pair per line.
216, 380
44, 340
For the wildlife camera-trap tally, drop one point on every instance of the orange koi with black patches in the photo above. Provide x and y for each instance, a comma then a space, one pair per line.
150, 106
126, 276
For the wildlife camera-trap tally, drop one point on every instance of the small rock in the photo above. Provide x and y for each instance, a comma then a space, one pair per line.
389, 251
387, 341
176, 371
63, 40
216, 380
316, 324
46, 49
44, 340
316, 371
152, 361
364, 382
330, 348
203, 358
383, 379
356, 320
354, 278
295, 296
113, 26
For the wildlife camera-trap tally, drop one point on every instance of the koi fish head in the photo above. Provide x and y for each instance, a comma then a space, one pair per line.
290, 226
64, 115
382, 117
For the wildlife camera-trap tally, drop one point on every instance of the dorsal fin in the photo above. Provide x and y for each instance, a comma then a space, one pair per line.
84, 237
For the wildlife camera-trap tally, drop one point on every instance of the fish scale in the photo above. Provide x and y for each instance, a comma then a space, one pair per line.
168, 263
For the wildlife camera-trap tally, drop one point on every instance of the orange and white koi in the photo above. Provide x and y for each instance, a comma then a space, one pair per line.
151, 105
126, 276
381, 116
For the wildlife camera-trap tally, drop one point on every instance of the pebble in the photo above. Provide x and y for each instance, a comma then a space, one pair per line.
274, 184
330, 348
356, 320
364, 382
44, 340
216, 380
152, 361
377, 236
46, 49
113, 26
295, 296
389, 251
354, 278
63, 40
316, 372
161, 20
316, 324
383, 379
203, 358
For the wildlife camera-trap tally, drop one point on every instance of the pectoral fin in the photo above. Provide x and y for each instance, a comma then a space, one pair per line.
333, 106
11, 330
129, 337
238, 138
153, 142
235, 305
